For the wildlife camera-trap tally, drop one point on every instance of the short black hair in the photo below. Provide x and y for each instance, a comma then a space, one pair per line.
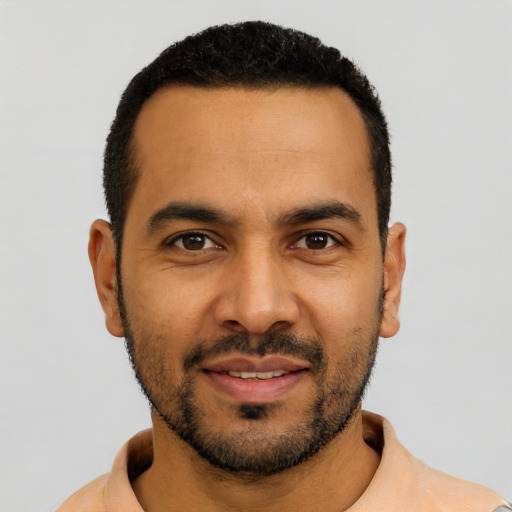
252, 54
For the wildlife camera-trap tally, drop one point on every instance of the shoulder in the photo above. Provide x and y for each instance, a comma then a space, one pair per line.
404, 482
113, 491
449, 493
88, 499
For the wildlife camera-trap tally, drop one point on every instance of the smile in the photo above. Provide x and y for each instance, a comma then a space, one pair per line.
256, 375
255, 387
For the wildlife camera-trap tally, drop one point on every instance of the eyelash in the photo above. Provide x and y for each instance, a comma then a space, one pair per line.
191, 234
332, 240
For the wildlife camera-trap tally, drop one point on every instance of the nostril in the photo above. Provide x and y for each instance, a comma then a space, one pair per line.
233, 324
280, 325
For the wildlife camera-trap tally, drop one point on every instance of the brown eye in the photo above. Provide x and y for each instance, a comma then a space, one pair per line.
193, 242
316, 241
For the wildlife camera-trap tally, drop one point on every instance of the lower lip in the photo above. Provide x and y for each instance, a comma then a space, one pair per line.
255, 391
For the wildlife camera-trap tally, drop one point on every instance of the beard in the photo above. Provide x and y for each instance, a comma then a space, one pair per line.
256, 448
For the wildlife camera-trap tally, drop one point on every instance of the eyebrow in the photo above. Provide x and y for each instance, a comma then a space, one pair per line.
186, 211
200, 213
329, 210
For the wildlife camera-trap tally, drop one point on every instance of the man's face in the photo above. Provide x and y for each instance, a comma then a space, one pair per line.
252, 273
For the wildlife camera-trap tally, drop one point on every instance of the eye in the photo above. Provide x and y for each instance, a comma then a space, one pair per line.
316, 241
193, 242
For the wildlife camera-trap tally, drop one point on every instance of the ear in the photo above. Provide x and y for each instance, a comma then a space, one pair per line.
102, 255
394, 267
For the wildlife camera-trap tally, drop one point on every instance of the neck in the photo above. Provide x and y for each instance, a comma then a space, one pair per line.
179, 479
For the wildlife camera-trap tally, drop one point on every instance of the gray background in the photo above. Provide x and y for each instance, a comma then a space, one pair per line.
443, 70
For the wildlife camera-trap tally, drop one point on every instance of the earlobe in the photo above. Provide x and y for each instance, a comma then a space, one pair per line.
394, 267
102, 256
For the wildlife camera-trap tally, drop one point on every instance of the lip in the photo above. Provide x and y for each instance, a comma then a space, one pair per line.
268, 363
255, 391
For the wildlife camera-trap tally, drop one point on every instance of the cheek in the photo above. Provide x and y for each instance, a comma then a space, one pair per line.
166, 306
348, 292
343, 305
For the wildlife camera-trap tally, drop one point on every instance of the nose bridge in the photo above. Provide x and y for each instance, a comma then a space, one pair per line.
259, 295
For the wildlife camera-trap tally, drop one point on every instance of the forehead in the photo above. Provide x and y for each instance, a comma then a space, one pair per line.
219, 145
315, 118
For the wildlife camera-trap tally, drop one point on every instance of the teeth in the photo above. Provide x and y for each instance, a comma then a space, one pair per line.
264, 375
257, 375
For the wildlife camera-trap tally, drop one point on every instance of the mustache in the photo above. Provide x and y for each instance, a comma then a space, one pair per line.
275, 343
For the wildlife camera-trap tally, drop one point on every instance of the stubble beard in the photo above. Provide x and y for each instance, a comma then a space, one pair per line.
255, 451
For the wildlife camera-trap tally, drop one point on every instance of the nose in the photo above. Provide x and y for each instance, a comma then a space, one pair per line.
257, 295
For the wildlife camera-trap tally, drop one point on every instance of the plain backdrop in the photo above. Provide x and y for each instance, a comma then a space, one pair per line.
443, 71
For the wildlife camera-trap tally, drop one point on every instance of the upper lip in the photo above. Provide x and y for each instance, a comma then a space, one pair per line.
243, 363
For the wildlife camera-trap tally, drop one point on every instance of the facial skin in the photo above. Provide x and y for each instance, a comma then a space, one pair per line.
251, 244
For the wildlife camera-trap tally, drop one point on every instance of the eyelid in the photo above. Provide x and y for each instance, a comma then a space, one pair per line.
170, 241
336, 238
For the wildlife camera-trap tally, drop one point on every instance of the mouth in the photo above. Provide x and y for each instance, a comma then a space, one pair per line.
255, 380
256, 375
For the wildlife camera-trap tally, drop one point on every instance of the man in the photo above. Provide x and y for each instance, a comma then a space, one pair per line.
250, 268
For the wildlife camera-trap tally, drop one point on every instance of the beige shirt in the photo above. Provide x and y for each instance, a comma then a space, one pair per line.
401, 483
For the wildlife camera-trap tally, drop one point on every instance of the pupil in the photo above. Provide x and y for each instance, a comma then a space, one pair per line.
316, 241
193, 242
